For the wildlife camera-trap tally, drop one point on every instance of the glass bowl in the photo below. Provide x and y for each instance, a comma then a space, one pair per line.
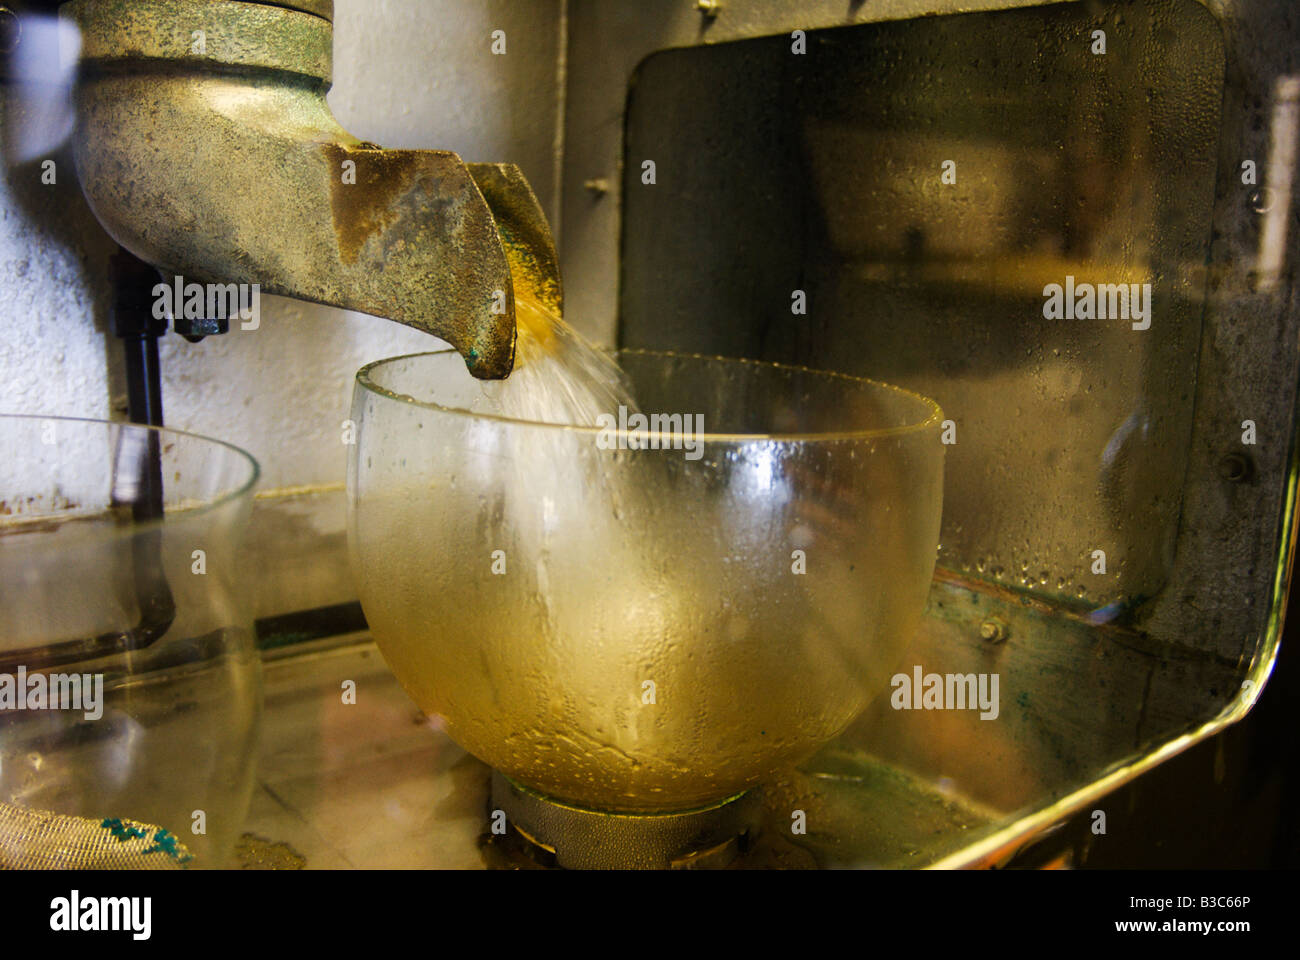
644, 620
129, 680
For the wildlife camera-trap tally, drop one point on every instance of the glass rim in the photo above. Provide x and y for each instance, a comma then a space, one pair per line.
198, 509
933, 418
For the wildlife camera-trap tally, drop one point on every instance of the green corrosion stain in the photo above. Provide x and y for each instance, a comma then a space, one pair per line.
121, 831
164, 842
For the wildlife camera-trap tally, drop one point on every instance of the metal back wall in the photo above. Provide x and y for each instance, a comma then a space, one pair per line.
822, 172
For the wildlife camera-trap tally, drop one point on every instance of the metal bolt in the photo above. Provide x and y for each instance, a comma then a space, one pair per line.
710, 8
1236, 468
994, 630
598, 185
1261, 200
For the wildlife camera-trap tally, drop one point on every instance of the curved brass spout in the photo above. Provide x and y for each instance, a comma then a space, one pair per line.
204, 145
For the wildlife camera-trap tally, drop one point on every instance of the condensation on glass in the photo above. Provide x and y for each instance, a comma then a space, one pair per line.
923, 181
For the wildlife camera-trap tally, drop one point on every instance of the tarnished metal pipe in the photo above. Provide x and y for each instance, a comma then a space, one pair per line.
204, 145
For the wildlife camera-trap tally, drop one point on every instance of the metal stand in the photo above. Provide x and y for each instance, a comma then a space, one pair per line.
135, 324
558, 834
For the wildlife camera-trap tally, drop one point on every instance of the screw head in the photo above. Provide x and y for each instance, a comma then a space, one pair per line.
1236, 468
994, 630
1261, 200
710, 8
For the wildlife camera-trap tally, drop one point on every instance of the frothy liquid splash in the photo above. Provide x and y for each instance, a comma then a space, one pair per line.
550, 474
559, 377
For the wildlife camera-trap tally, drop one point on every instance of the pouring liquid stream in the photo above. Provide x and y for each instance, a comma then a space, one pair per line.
559, 377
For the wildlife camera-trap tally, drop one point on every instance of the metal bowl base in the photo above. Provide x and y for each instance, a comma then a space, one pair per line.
555, 834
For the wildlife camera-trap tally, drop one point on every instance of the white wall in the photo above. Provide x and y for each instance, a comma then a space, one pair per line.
407, 73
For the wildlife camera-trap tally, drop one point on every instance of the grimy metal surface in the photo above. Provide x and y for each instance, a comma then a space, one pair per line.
526, 235
321, 8
1190, 642
205, 146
